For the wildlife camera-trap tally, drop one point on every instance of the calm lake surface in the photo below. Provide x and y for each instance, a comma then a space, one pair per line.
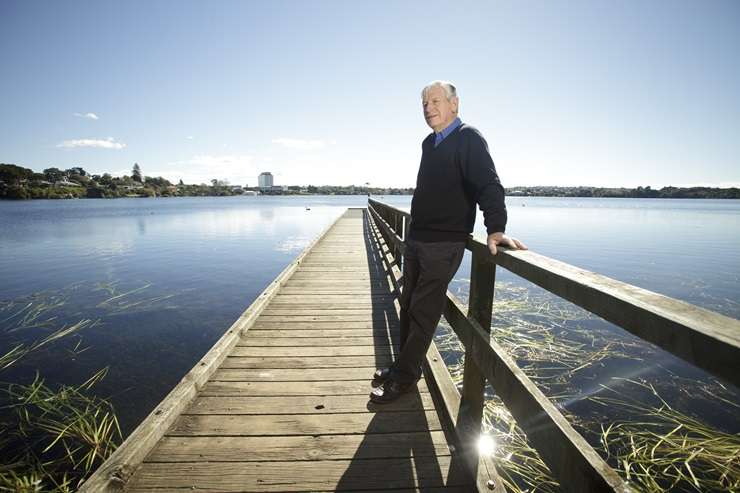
160, 280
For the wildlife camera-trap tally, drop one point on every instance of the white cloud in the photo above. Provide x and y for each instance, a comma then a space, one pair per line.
300, 144
238, 169
109, 143
190, 137
89, 116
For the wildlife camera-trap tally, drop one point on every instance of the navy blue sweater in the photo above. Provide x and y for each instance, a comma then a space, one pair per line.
452, 178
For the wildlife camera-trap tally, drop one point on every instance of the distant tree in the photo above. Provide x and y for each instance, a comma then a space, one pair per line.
53, 174
136, 173
76, 171
181, 183
157, 182
10, 173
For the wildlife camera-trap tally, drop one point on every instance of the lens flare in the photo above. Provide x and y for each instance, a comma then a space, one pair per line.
486, 445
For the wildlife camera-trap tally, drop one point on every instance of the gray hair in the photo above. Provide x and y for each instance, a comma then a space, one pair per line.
450, 90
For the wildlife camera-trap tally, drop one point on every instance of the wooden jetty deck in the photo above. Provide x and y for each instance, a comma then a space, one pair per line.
287, 407
280, 403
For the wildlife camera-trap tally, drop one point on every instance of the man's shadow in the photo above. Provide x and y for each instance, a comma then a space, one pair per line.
398, 450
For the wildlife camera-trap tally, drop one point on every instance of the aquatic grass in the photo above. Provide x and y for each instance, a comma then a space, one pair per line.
60, 435
653, 445
53, 437
663, 448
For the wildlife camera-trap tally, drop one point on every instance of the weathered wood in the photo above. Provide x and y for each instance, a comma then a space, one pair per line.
569, 456
472, 401
290, 375
307, 424
115, 471
262, 324
309, 362
439, 489
322, 404
301, 447
316, 341
369, 332
376, 317
338, 387
449, 408
333, 311
299, 476
297, 351
701, 337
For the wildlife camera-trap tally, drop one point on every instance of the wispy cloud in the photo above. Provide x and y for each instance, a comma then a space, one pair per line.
300, 144
202, 168
89, 116
190, 137
109, 143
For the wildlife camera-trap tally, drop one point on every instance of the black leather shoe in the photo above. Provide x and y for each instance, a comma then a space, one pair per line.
390, 391
380, 376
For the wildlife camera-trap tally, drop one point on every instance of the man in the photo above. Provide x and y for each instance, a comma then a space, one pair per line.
456, 171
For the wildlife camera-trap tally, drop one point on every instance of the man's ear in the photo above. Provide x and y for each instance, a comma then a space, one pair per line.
456, 103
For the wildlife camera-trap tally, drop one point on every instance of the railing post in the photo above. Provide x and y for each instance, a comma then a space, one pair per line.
482, 278
396, 250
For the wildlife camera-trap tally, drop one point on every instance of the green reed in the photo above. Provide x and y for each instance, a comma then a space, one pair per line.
653, 445
53, 438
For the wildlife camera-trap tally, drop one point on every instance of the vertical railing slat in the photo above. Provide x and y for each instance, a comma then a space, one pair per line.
482, 278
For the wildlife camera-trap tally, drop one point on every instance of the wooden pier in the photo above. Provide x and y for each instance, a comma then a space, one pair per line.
280, 403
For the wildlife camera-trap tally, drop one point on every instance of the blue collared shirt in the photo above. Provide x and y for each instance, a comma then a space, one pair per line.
439, 137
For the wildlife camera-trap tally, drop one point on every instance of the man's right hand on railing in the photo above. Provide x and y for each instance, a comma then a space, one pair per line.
495, 239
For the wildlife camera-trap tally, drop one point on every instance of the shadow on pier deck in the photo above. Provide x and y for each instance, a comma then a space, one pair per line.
287, 407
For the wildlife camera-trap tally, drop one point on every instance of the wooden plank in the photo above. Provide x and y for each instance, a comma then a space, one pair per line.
299, 310
315, 341
324, 318
322, 299
293, 448
297, 351
290, 374
391, 326
297, 476
335, 387
294, 333
309, 362
307, 424
439, 489
291, 405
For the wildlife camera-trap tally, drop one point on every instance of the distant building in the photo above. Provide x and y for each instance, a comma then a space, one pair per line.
265, 181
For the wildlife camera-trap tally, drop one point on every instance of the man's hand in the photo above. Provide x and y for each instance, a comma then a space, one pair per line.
495, 239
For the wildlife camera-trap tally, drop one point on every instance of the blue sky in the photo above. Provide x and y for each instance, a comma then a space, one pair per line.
566, 93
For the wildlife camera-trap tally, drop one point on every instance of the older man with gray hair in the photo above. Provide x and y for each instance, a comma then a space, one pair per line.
455, 173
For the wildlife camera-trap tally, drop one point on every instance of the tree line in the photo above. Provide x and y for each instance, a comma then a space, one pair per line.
17, 182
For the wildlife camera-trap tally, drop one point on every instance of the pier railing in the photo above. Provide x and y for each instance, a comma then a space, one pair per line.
701, 337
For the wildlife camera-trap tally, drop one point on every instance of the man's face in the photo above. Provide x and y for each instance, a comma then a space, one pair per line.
439, 112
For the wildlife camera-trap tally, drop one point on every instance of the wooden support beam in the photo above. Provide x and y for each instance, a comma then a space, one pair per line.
570, 458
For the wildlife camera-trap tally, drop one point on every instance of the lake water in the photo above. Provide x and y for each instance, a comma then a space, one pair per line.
161, 279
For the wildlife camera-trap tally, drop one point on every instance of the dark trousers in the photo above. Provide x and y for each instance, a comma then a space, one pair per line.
428, 269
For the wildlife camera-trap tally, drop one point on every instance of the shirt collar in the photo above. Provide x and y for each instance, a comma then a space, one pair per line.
439, 137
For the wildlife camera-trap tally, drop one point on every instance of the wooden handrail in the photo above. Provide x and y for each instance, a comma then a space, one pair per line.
706, 339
